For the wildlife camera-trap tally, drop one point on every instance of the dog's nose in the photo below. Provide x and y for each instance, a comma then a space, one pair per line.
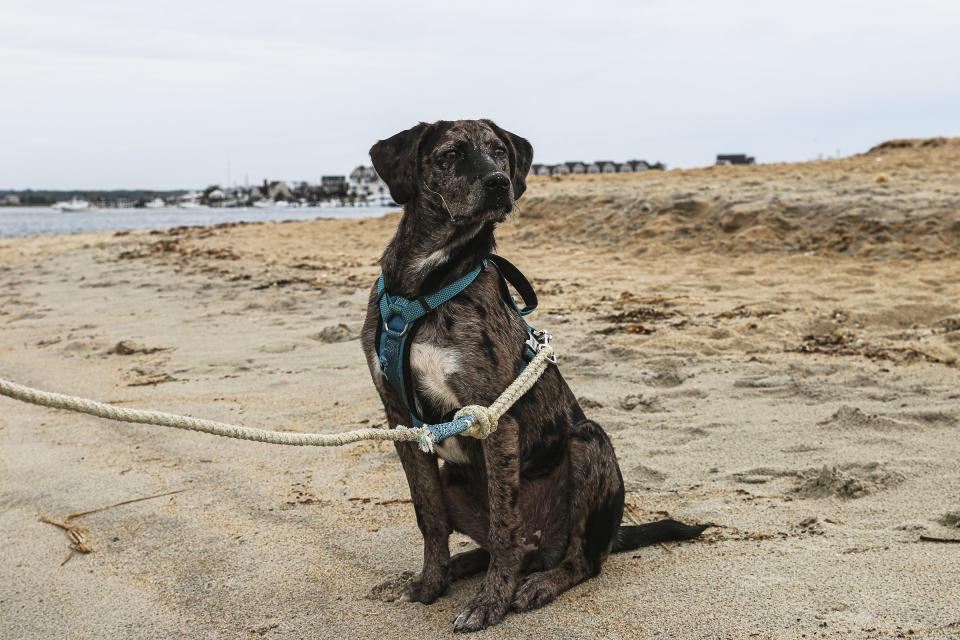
496, 181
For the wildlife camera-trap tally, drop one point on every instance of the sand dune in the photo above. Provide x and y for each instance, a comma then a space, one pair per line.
773, 349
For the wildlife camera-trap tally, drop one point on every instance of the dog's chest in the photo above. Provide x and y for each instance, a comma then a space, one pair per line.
432, 368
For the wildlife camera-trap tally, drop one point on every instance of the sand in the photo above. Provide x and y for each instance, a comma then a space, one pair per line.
772, 349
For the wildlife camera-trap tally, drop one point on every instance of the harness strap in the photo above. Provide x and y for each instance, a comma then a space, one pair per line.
409, 311
519, 281
401, 315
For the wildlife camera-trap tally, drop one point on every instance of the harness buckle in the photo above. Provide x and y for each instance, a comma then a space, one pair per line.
538, 340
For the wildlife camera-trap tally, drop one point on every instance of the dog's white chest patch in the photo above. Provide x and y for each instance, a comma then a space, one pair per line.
432, 367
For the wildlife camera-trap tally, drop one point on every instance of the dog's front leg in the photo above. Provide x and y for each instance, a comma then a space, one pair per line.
423, 476
501, 459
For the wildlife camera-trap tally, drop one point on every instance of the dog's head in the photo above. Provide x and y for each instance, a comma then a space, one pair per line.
472, 170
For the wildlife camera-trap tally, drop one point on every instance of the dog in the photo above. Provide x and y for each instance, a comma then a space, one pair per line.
542, 496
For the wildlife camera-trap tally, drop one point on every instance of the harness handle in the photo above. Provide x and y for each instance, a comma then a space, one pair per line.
519, 281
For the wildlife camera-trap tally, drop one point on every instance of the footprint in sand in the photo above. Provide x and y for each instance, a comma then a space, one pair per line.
950, 519
847, 417
641, 477
852, 480
848, 481
764, 382
390, 589
335, 333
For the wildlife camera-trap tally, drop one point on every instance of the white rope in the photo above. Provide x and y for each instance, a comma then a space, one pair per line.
486, 418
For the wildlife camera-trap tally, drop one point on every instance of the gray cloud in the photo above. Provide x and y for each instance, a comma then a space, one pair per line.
108, 93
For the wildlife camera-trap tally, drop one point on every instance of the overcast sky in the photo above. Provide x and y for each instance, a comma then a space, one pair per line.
142, 93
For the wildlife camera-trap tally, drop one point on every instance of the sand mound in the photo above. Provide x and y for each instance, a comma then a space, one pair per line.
899, 199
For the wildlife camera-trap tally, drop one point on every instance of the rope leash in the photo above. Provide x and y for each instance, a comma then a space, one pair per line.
473, 420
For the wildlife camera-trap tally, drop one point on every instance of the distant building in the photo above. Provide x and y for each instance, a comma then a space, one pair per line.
602, 166
366, 184
9, 200
334, 185
363, 181
637, 166
735, 158
275, 190
213, 194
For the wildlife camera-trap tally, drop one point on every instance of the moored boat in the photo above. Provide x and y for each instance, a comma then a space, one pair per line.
73, 205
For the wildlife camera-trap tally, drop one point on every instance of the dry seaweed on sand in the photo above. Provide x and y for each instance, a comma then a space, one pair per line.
80, 535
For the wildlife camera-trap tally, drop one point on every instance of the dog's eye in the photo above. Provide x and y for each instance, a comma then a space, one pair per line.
450, 156
500, 152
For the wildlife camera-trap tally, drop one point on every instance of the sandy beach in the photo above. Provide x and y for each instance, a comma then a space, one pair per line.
773, 349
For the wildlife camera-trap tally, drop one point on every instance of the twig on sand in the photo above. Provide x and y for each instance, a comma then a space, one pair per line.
935, 539
79, 534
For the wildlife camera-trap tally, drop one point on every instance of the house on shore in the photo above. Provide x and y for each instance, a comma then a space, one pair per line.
735, 158
599, 166
333, 185
274, 190
602, 166
364, 183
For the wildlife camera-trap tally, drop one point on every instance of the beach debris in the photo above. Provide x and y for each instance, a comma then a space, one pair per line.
762, 475
639, 329
848, 344
150, 380
264, 629
279, 283
936, 539
633, 320
750, 311
806, 522
131, 347
79, 535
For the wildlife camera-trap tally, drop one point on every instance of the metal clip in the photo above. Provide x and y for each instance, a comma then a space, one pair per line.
538, 340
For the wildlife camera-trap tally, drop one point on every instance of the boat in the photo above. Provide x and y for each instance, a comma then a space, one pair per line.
156, 203
190, 204
264, 204
73, 205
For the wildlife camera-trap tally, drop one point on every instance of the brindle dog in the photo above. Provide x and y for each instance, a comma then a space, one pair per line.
543, 495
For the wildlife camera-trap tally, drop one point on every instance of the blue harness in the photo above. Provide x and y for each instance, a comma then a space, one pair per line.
400, 318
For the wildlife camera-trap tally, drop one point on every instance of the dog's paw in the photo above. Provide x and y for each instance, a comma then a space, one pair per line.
479, 614
423, 589
535, 591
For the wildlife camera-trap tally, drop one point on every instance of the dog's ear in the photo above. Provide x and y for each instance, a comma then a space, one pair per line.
396, 161
521, 155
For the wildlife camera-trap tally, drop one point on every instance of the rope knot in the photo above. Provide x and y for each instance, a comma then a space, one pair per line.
485, 420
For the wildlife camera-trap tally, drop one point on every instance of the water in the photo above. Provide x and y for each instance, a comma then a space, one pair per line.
35, 221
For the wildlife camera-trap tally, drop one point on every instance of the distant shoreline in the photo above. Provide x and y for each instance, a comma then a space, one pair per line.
18, 222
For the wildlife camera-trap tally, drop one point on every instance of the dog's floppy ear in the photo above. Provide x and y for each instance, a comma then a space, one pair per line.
521, 155
395, 161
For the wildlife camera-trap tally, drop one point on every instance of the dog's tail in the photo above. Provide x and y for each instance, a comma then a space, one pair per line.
630, 537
